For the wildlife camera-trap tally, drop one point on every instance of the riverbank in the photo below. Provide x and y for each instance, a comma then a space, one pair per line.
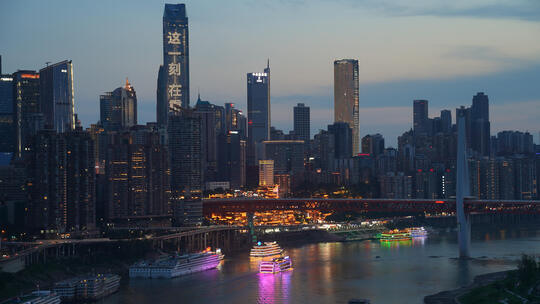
451, 296
43, 276
109, 258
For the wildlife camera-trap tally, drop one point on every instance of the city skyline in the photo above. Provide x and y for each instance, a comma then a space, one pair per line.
388, 135
386, 88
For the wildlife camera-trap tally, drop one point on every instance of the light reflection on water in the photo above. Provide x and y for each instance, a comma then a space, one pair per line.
274, 288
385, 272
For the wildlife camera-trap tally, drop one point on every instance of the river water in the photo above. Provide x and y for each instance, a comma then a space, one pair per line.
401, 272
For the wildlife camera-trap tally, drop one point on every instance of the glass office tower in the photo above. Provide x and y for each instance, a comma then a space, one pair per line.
56, 96
258, 101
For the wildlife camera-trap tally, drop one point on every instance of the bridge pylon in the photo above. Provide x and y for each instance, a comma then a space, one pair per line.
462, 191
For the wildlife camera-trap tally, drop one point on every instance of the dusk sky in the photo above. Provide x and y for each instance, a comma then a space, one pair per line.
442, 51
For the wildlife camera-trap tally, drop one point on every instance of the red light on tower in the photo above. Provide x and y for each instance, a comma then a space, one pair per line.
250, 122
431, 170
419, 170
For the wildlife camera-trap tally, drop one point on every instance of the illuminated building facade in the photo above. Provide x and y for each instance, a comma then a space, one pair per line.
266, 172
118, 109
346, 104
56, 96
174, 74
235, 120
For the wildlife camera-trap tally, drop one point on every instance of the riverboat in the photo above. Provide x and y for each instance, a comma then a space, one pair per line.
418, 232
175, 266
276, 265
265, 249
395, 235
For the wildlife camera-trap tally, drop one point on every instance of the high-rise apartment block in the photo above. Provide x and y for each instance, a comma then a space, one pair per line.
137, 175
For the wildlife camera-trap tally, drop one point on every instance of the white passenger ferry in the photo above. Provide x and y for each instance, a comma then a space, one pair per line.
175, 266
418, 232
280, 264
265, 249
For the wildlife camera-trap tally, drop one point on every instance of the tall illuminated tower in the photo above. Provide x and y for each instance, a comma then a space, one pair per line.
173, 86
346, 89
258, 101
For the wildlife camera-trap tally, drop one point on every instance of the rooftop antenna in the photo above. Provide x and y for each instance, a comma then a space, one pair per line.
127, 83
47, 63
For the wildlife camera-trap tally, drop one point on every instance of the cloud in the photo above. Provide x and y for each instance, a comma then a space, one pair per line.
528, 10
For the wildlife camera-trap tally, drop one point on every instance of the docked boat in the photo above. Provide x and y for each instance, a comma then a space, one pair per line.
395, 235
276, 265
418, 232
265, 249
217, 252
93, 287
36, 297
174, 266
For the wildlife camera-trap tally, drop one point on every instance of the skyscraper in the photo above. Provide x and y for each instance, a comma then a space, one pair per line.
28, 118
373, 144
420, 117
235, 120
232, 159
302, 122
137, 175
346, 90
258, 101
7, 116
56, 96
184, 131
480, 125
209, 131
62, 182
342, 139
446, 121
174, 74
118, 109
